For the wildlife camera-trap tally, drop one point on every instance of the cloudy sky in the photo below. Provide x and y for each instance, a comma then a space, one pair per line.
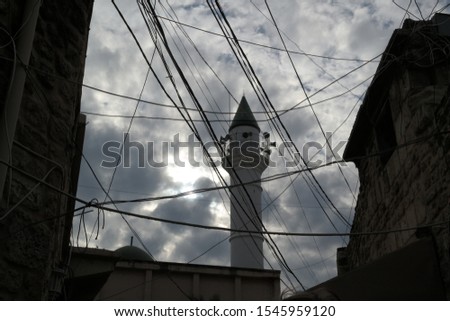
334, 46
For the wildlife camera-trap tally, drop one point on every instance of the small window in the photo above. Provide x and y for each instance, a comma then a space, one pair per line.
385, 133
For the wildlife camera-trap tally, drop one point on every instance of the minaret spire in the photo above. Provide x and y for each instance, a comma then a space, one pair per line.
244, 116
245, 163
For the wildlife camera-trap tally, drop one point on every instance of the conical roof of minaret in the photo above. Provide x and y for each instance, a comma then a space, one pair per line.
244, 116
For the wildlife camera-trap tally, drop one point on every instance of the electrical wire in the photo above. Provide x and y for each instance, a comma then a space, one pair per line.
264, 97
349, 90
248, 70
154, 20
98, 206
44, 97
406, 9
283, 175
225, 26
193, 120
128, 97
101, 206
186, 52
433, 9
5, 116
418, 9
262, 45
159, 30
389, 231
307, 96
279, 218
121, 150
180, 26
25, 197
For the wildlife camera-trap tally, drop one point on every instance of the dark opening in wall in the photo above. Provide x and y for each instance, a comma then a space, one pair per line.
385, 133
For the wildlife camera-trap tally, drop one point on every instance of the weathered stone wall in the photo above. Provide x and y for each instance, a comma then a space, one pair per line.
412, 187
10, 19
31, 236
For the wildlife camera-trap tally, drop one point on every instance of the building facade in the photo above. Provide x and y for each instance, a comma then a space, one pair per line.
45, 143
400, 144
130, 274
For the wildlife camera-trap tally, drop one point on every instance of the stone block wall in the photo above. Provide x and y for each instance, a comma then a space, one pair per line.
411, 188
33, 236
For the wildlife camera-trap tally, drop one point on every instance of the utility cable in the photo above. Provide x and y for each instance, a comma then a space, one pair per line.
244, 63
262, 45
307, 97
24, 198
154, 18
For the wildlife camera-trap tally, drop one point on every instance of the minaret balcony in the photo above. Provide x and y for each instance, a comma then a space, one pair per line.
245, 155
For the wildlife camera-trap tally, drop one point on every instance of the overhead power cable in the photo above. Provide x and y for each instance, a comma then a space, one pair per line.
218, 228
108, 190
263, 97
43, 96
223, 23
307, 97
277, 176
24, 198
101, 206
146, 101
157, 28
265, 46
145, 217
157, 25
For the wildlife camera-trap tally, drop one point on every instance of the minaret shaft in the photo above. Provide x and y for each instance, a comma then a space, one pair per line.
245, 163
246, 248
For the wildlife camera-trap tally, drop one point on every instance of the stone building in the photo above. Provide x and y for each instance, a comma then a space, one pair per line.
36, 219
400, 144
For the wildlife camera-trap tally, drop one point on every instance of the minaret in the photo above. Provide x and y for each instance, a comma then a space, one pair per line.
245, 161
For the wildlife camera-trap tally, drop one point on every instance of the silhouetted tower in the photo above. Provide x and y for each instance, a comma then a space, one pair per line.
245, 160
